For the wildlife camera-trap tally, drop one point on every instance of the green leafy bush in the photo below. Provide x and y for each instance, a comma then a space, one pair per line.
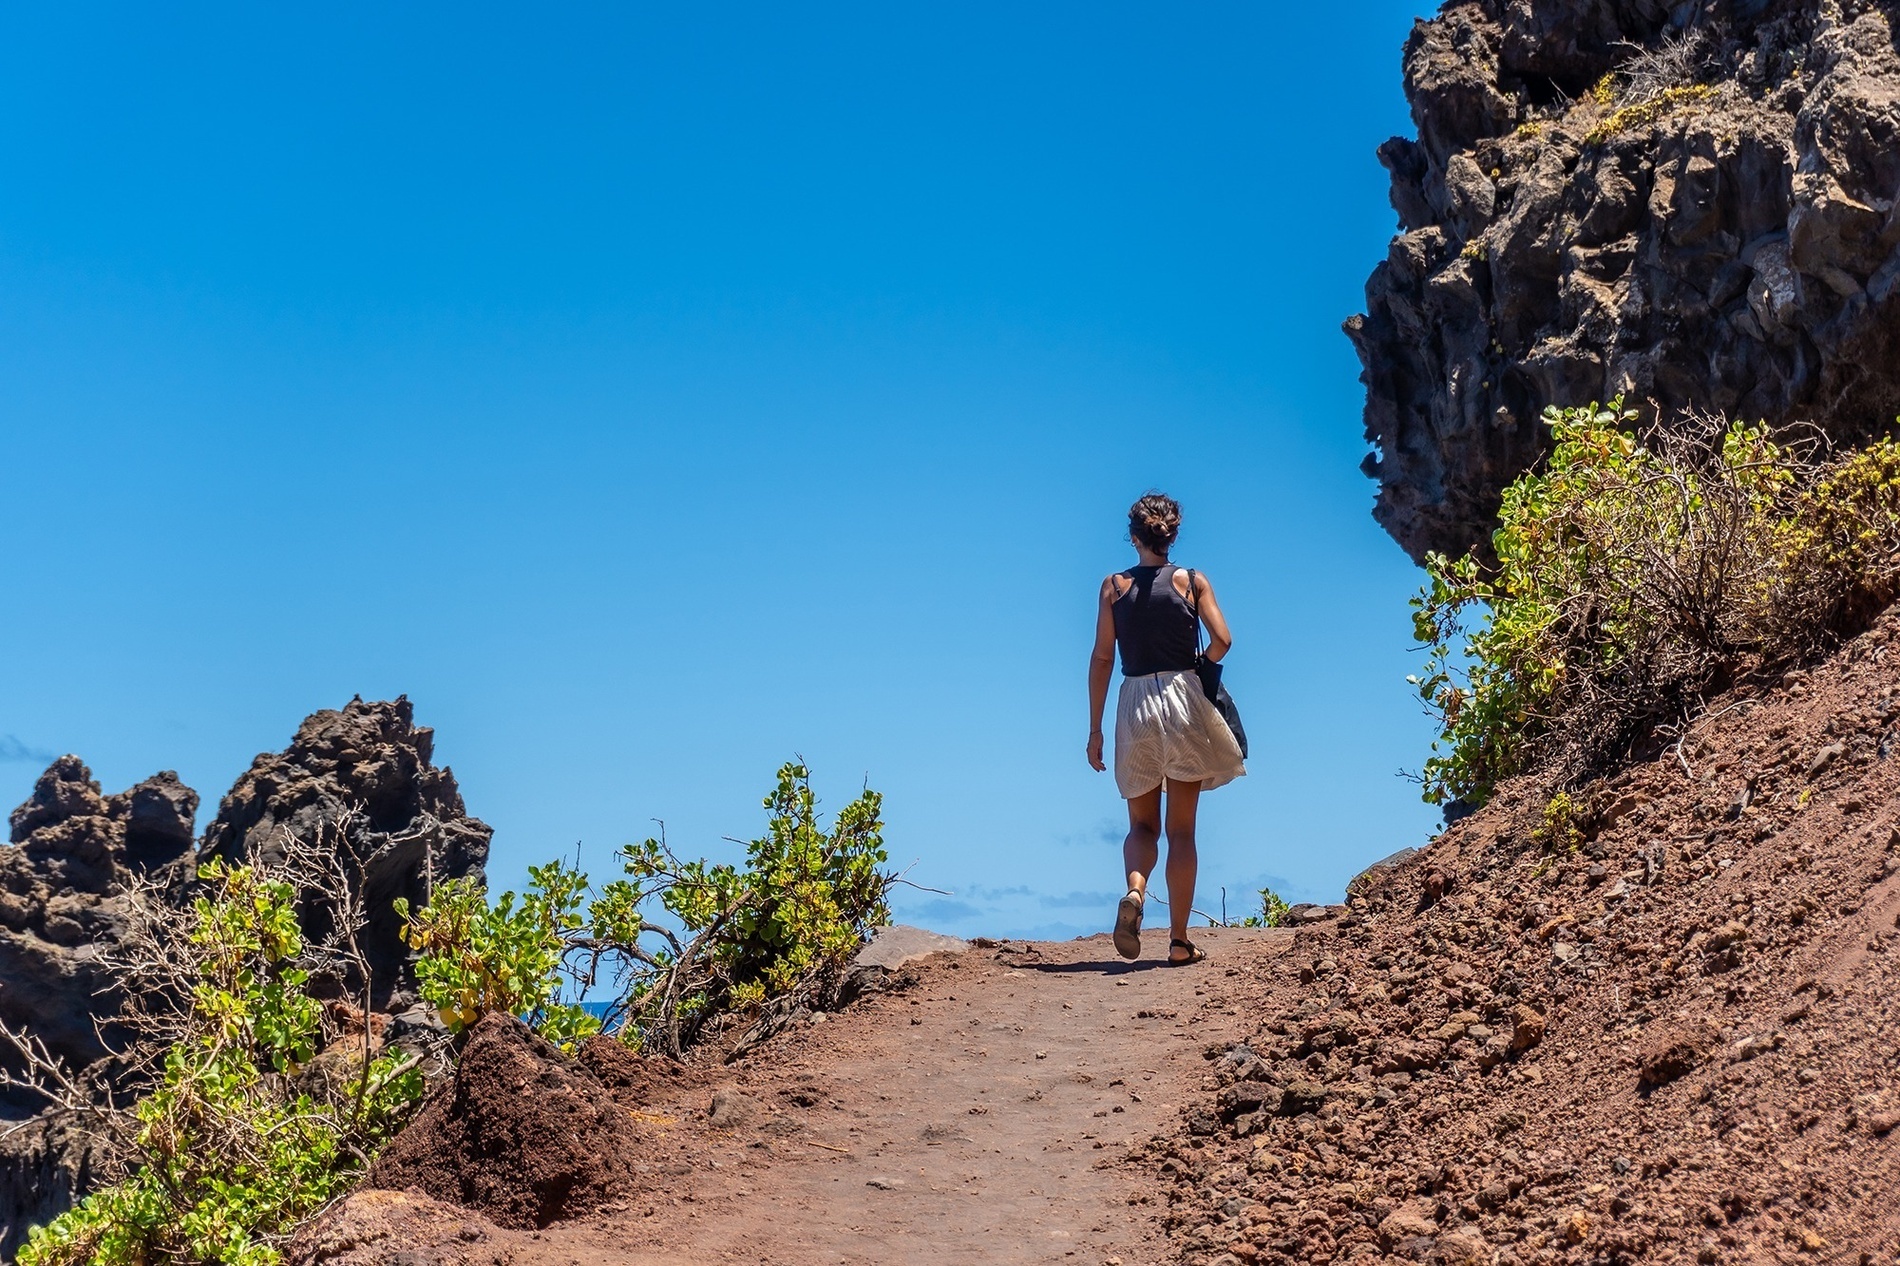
1273, 908
234, 1145
1629, 578
686, 944
477, 958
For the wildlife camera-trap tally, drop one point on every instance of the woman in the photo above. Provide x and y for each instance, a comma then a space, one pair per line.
1168, 737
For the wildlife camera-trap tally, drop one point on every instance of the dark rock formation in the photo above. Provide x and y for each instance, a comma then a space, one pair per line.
61, 903
521, 1134
45, 1165
1712, 227
74, 850
358, 781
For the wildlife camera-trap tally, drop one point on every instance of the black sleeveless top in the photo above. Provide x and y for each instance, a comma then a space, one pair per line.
1154, 626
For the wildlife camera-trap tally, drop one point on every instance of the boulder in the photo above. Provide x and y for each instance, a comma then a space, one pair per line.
45, 1164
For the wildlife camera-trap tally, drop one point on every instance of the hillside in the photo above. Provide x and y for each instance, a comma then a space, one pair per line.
1675, 1043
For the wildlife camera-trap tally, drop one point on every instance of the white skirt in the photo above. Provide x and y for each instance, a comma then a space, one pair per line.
1166, 729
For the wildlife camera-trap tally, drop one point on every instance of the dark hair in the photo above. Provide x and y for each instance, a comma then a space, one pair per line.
1155, 521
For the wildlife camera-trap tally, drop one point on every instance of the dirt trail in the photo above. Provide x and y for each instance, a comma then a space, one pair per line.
973, 1117
977, 1115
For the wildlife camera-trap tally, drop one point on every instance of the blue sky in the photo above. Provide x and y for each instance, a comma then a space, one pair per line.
655, 394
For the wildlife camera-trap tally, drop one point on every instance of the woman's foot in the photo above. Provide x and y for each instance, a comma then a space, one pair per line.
1128, 925
1181, 953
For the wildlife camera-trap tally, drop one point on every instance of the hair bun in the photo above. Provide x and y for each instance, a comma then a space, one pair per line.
1154, 521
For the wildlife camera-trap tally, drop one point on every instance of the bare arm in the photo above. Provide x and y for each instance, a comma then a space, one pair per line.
1219, 640
1101, 668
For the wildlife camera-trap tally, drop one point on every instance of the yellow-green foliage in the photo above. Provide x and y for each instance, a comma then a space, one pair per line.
1559, 832
477, 958
1628, 576
1643, 113
230, 1152
733, 937
1273, 909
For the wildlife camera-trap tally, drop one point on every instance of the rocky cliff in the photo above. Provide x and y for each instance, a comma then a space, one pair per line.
1686, 204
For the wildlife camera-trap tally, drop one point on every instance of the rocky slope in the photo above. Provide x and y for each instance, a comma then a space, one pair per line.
360, 780
1714, 226
1673, 1039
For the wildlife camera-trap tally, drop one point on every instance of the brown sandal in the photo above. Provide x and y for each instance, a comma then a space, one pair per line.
1195, 953
1128, 925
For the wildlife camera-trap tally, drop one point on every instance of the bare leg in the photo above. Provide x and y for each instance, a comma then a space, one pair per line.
1184, 803
1139, 850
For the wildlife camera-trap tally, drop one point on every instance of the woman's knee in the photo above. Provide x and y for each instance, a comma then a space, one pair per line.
1181, 838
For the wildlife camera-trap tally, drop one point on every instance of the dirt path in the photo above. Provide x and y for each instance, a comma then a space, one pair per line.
976, 1116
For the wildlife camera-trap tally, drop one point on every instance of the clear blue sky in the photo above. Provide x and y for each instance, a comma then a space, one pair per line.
654, 393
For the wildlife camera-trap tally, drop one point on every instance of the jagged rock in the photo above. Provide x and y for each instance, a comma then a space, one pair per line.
360, 781
45, 1164
1735, 249
73, 850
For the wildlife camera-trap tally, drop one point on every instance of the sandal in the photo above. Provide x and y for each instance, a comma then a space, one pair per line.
1194, 953
1128, 925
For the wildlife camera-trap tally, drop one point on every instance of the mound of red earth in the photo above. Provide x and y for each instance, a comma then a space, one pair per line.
1673, 1041
521, 1133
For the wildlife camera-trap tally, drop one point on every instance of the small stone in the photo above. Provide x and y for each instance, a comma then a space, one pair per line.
731, 1109
1301, 1097
1527, 1028
1825, 757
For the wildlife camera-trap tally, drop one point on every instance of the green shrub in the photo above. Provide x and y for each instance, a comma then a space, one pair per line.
733, 939
477, 958
1629, 578
1559, 831
233, 1147
1272, 914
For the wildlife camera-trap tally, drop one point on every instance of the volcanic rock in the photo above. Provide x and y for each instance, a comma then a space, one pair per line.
359, 781
61, 901
45, 1165
1712, 227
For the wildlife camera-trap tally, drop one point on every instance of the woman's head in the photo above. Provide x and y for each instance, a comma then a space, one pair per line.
1154, 521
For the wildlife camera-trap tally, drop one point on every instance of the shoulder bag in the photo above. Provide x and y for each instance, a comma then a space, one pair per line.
1209, 672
